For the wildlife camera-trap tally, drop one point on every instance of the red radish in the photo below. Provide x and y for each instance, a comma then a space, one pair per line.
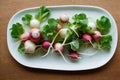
29, 46
34, 23
46, 44
59, 27
87, 38
58, 47
97, 35
73, 55
24, 37
35, 35
64, 18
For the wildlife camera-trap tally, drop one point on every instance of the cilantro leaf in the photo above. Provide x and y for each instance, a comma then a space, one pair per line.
50, 29
105, 41
16, 30
21, 48
26, 19
43, 14
103, 24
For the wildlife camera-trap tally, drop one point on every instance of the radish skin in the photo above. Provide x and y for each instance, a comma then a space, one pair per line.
34, 23
73, 55
64, 18
58, 47
29, 46
97, 35
46, 44
86, 38
59, 27
35, 35
24, 37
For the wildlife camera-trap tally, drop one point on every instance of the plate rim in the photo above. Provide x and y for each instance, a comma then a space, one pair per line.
62, 6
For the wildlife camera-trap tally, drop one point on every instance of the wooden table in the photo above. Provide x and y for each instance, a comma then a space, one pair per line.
11, 70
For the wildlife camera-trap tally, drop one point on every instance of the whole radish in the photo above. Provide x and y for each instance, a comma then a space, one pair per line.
63, 32
59, 27
64, 18
58, 47
46, 44
34, 23
87, 38
29, 46
97, 35
24, 37
35, 35
73, 55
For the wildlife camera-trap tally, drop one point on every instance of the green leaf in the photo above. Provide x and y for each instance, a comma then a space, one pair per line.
105, 42
78, 17
43, 14
75, 45
50, 29
16, 30
81, 23
103, 25
26, 19
21, 48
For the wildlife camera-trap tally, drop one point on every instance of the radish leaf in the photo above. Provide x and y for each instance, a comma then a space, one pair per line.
26, 19
103, 25
16, 30
43, 14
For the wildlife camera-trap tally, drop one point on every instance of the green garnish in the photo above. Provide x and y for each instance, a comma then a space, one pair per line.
16, 30
43, 14
103, 25
50, 29
26, 19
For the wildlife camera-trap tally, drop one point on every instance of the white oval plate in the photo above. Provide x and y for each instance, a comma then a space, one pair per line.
54, 62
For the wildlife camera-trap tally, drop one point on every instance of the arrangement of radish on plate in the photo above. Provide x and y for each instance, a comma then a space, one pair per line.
60, 34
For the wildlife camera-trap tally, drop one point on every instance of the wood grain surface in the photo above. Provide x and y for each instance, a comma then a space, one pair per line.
11, 70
